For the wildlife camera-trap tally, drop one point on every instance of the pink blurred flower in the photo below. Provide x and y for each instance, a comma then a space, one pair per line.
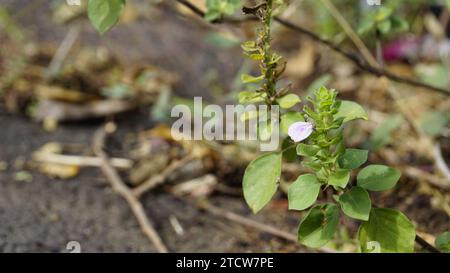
405, 48
299, 131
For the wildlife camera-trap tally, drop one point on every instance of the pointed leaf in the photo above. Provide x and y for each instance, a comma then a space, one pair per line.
251, 97
251, 79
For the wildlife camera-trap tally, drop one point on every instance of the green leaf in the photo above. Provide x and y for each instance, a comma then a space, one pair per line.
390, 228
307, 150
443, 241
384, 27
399, 24
382, 135
261, 180
366, 26
256, 56
288, 119
319, 225
218, 8
212, 15
303, 192
378, 177
104, 14
288, 101
435, 74
323, 80
350, 110
221, 41
251, 79
339, 178
353, 158
434, 122
249, 46
289, 153
383, 13
251, 97
355, 203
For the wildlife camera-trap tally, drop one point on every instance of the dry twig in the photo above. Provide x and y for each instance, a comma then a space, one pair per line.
82, 161
440, 162
119, 186
63, 50
160, 178
231, 216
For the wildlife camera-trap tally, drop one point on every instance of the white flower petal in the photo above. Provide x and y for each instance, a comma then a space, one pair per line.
300, 131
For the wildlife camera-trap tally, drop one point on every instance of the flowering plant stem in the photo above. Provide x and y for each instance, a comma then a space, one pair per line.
317, 133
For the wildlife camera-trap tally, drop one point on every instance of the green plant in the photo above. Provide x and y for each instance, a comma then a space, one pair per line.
104, 14
271, 66
383, 21
220, 8
443, 241
319, 129
316, 135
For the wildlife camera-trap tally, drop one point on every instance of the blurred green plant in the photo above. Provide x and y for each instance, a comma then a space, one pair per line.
382, 21
104, 14
434, 74
381, 136
443, 241
9, 26
433, 123
216, 9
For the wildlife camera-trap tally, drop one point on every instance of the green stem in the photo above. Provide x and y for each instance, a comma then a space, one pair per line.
269, 73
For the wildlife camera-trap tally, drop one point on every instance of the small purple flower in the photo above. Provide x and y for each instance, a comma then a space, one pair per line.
299, 131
